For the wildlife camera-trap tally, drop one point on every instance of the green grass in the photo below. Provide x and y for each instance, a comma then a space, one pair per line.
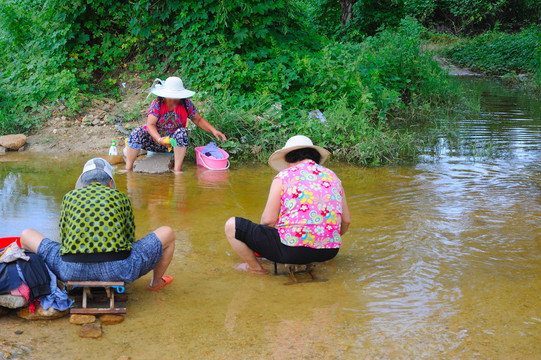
498, 53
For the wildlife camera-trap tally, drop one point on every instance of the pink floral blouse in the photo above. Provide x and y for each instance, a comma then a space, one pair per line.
311, 206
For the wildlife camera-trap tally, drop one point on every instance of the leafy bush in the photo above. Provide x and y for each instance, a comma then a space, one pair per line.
458, 17
258, 65
31, 64
500, 53
358, 87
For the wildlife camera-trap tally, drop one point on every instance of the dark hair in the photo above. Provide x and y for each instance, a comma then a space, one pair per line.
303, 154
95, 175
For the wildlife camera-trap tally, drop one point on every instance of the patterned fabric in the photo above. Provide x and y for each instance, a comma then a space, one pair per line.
170, 120
96, 219
311, 206
144, 257
141, 139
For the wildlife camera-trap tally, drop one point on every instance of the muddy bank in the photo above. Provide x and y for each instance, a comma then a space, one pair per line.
455, 70
92, 128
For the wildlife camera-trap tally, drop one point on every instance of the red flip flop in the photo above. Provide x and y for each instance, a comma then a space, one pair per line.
167, 279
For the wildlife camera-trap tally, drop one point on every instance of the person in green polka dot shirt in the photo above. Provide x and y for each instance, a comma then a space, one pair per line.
97, 232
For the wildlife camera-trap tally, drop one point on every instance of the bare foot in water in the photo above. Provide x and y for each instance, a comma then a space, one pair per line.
246, 268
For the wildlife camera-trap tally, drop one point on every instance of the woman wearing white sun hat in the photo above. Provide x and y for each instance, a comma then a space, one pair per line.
305, 216
167, 116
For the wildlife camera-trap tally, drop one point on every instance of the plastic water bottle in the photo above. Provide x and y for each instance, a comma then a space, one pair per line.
112, 149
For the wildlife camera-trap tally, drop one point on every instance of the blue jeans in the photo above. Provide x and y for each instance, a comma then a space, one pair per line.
144, 256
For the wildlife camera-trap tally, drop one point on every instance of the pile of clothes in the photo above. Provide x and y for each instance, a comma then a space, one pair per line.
212, 151
26, 280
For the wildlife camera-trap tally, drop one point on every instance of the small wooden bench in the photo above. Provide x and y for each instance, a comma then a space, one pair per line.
90, 299
293, 269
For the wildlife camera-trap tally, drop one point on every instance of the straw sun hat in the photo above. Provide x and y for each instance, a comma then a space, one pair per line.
278, 159
171, 88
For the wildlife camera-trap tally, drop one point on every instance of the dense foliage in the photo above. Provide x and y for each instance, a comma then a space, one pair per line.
360, 88
260, 67
458, 17
500, 53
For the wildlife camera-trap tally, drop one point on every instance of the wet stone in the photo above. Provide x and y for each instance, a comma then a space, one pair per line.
154, 164
92, 331
2, 150
113, 159
12, 301
41, 314
79, 319
111, 319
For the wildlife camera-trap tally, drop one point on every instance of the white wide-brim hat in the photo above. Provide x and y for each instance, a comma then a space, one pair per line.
277, 160
96, 164
172, 88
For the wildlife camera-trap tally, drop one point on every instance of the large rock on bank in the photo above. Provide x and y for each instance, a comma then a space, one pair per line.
154, 164
13, 142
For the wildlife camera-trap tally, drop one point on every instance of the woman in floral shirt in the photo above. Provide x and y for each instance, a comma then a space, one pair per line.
167, 117
305, 215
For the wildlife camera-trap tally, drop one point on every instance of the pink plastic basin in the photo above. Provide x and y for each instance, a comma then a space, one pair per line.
210, 163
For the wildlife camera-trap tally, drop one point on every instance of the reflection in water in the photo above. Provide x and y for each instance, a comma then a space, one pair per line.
443, 260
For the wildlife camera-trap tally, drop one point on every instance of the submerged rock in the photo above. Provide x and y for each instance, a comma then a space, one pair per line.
154, 164
111, 319
13, 142
92, 331
41, 314
80, 319
113, 159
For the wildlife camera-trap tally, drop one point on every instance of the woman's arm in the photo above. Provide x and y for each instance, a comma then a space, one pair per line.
151, 128
205, 125
272, 209
346, 217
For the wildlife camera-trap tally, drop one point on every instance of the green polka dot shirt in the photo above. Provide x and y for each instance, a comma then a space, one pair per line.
96, 220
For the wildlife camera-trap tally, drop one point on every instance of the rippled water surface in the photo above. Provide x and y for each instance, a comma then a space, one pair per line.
443, 259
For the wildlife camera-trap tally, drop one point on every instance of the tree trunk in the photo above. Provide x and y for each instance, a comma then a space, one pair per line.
347, 10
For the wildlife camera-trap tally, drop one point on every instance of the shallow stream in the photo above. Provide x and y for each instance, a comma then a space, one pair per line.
443, 259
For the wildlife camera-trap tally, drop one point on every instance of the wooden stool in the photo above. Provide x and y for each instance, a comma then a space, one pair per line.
109, 298
293, 269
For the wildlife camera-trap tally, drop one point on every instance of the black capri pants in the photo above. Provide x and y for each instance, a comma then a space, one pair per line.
265, 241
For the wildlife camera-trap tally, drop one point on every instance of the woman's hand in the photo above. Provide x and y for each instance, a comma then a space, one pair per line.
218, 135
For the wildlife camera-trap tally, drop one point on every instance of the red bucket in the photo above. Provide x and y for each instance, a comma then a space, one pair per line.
5, 242
210, 163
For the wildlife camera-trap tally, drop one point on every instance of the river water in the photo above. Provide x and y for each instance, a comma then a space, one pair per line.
443, 259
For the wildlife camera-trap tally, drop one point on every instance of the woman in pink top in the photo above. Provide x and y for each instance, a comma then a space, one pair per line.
305, 215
